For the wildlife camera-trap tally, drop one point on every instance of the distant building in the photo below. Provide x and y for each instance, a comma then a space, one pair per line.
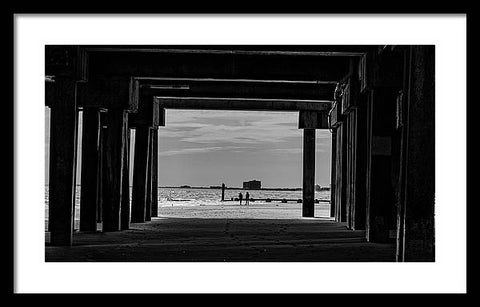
252, 185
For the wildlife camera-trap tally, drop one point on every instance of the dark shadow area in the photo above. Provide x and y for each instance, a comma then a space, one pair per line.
233, 240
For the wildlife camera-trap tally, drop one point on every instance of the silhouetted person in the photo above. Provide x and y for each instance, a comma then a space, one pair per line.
240, 197
247, 199
223, 191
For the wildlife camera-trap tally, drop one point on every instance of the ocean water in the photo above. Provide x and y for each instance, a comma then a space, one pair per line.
168, 197
198, 197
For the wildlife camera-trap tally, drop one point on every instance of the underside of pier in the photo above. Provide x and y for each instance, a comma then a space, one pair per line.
377, 101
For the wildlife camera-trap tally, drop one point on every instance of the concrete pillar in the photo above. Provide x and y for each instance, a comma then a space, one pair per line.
308, 190
155, 173
333, 173
347, 166
63, 127
368, 158
113, 169
125, 207
418, 197
338, 160
148, 199
101, 153
89, 181
360, 166
341, 174
351, 168
139, 189
381, 219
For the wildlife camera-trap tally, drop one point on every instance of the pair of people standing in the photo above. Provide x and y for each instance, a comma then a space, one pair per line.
247, 198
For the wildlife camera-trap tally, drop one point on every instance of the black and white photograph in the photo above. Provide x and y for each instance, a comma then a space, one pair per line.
233, 153
240, 153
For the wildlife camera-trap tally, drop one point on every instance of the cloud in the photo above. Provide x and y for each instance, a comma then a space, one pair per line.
235, 127
262, 133
197, 150
238, 135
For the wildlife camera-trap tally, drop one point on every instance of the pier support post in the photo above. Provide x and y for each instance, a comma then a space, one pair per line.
309, 121
340, 173
155, 172
63, 123
417, 240
90, 157
100, 167
336, 181
308, 190
144, 195
125, 208
381, 213
360, 166
333, 173
352, 183
348, 168
113, 169
148, 200
139, 189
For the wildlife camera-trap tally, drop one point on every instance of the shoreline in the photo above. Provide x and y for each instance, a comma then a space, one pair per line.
228, 188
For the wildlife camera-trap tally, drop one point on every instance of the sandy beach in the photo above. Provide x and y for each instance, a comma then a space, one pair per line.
232, 210
259, 232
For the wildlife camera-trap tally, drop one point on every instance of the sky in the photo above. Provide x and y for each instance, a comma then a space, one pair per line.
204, 148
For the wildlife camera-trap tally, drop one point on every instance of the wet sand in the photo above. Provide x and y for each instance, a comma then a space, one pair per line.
260, 232
232, 210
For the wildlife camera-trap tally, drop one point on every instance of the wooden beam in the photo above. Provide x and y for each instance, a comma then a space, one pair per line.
281, 66
243, 104
63, 125
312, 120
160, 80
108, 92
308, 191
263, 90
123, 92
66, 61
327, 51
149, 113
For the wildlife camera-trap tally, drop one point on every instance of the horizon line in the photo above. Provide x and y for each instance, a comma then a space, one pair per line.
194, 186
